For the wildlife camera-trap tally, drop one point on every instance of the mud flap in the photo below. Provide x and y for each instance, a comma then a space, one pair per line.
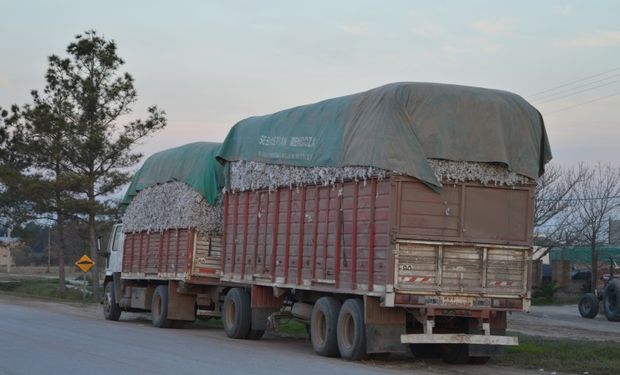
180, 306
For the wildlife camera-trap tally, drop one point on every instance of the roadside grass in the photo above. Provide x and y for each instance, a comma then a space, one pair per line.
39, 288
289, 327
572, 356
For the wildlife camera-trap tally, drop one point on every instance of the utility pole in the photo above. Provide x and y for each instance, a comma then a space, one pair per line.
49, 248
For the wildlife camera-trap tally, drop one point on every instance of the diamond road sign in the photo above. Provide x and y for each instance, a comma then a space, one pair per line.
85, 263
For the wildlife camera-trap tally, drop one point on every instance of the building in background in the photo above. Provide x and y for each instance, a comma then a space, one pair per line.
614, 232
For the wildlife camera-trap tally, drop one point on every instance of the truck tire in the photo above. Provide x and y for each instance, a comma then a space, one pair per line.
159, 307
425, 350
255, 334
611, 301
351, 330
324, 326
457, 354
588, 306
111, 309
237, 317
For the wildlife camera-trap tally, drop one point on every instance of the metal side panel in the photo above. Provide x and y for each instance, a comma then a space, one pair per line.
443, 268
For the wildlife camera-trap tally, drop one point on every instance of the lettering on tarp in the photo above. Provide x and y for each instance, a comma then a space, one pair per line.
276, 140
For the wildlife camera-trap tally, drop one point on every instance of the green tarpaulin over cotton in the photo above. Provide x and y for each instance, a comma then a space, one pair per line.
194, 164
398, 127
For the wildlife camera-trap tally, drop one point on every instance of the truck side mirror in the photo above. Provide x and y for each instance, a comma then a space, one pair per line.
99, 251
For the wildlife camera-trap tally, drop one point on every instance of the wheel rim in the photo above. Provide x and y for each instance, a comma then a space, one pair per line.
156, 308
321, 328
587, 305
107, 305
231, 310
612, 301
348, 331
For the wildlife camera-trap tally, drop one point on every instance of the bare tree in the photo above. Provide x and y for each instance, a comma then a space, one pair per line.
553, 205
596, 198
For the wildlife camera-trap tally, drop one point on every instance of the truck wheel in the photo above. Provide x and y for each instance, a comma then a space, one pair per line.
255, 334
237, 315
588, 306
111, 309
479, 360
457, 354
351, 330
425, 350
324, 326
159, 307
611, 302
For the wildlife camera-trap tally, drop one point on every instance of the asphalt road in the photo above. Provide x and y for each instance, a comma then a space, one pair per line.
51, 338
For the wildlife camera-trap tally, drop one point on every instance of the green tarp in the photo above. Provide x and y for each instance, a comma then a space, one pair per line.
193, 164
397, 127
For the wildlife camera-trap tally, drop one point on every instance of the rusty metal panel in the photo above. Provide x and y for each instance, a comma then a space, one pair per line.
157, 255
455, 269
377, 315
497, 214
180, 306
465, 212
262, 297
328, 237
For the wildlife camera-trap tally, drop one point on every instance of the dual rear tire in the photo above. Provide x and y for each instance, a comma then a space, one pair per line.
338, 329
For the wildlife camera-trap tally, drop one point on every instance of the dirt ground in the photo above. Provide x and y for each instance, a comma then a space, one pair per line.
563, 322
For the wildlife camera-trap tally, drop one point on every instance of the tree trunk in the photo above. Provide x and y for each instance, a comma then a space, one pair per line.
594, 263
92, 238
62, 288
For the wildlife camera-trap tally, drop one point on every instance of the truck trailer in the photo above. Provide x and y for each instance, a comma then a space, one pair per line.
398, 218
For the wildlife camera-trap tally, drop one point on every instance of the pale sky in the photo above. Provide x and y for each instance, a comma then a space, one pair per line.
210, 64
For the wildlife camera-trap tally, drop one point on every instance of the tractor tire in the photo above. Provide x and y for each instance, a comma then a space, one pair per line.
588, 306
611, 301
324, 327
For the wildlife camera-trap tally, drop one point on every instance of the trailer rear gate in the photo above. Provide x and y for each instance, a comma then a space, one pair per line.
366, 237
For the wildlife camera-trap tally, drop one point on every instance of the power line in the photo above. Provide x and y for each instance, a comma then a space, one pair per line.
579, 199
544, 97
572, 82
578, 92
583, 103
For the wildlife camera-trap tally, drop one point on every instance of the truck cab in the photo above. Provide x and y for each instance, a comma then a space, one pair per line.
114, 251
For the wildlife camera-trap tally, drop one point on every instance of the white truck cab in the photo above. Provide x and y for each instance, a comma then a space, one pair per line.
115, 250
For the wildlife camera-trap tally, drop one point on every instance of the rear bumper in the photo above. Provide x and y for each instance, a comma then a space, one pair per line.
458, 338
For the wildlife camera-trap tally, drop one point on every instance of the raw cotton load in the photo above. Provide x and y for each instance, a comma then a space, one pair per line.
486, 173
251, 175
172, 205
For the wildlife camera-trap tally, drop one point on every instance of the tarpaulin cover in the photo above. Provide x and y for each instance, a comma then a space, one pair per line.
193, 164
398, 127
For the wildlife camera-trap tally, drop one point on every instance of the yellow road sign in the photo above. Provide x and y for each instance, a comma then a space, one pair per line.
85, 263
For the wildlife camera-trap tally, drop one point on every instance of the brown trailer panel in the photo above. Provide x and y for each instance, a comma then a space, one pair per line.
173, 254
348, 238
326, 237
